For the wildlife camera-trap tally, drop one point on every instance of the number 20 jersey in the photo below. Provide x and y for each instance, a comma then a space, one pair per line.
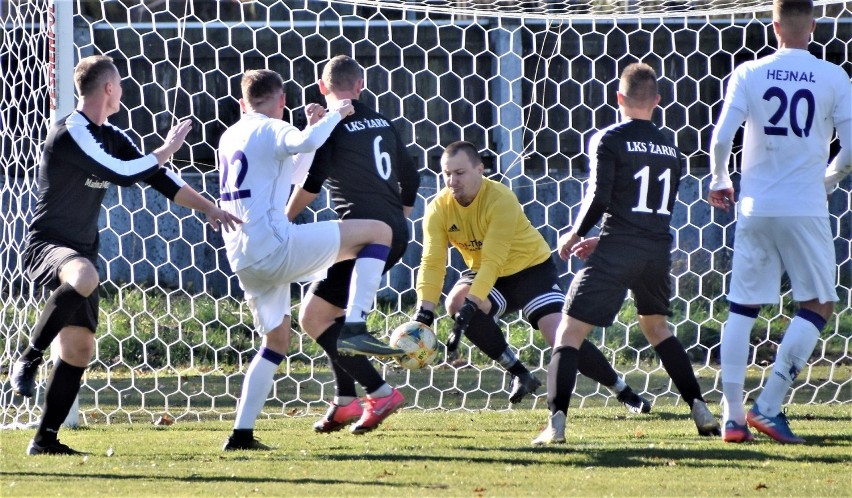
793, 101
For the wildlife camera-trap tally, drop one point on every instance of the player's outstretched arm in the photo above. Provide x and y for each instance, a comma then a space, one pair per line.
174, 141
316, 134
217, 217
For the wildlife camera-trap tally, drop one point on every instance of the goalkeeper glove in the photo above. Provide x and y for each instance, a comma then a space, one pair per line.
462, 322
426, 317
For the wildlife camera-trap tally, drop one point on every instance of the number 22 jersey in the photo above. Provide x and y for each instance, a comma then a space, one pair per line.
792, 102
258, 162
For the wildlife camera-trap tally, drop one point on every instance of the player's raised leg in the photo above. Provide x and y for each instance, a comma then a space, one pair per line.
79, 279
72, 313
368, 242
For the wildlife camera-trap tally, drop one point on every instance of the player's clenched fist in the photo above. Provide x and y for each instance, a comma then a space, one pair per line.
314, 113
344, 107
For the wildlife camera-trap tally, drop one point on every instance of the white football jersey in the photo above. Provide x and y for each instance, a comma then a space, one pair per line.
256, 170
792, 101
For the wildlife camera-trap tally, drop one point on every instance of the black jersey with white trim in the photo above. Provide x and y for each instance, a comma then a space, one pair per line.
369, 171
633, 182
79, 162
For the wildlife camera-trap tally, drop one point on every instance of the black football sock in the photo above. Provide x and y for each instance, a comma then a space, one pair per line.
677, 365
344, 384
62, 388
243, 434
561, 378
357, 367
485, 334
58, 309
592, 363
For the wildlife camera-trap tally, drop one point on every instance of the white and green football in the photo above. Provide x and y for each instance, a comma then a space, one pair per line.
419, 343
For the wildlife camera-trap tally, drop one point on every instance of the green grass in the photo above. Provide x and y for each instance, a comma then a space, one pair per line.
418, 453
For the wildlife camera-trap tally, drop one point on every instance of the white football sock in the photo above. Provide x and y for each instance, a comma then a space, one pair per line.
733, 350
256, 387
796, 347
366, 278
384, 391
343, 400
619, 386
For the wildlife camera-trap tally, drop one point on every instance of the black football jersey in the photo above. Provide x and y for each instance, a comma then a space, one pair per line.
369, 173
633, 183
79, 161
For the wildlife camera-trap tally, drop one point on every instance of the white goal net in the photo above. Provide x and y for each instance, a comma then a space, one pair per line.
527, 81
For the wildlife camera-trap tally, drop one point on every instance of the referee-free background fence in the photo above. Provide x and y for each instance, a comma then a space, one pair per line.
528, 82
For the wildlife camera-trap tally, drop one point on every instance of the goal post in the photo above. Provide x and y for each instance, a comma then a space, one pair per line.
527, 81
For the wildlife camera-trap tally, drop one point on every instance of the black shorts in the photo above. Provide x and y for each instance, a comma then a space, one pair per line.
599, 289
334, 288
44, 260
534, 290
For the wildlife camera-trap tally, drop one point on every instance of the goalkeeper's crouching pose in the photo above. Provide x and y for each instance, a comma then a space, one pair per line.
510, 269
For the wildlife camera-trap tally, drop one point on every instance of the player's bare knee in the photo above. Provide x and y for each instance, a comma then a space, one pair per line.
355, 234
314, 325
278, 339
382, 232
80, 274
455, 298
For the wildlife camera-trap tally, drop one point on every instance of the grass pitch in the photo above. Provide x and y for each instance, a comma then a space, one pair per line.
417, 453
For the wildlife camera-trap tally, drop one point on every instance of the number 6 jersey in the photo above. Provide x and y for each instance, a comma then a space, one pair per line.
791, 103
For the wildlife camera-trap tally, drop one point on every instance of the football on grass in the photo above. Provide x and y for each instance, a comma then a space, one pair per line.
419, 343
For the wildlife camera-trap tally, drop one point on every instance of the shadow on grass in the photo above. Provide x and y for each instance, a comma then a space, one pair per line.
209, 478
611, 458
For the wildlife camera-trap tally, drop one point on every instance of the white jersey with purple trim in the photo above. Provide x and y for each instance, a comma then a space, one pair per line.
791, 102
256, 168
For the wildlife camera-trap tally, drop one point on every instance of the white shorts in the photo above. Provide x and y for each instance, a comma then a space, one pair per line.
309, 249
765, 247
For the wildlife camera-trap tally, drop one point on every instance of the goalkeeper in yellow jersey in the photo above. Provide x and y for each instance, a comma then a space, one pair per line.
509, 269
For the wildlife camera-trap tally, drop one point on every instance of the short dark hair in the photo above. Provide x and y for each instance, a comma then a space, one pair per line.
796, 16
465, 147
341, 73
792, 8
638, 83
91, 72
259, 84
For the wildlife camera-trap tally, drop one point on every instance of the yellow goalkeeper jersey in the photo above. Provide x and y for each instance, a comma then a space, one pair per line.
493, 235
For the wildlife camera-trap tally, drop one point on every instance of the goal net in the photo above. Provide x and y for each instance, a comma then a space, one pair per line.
527, 81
